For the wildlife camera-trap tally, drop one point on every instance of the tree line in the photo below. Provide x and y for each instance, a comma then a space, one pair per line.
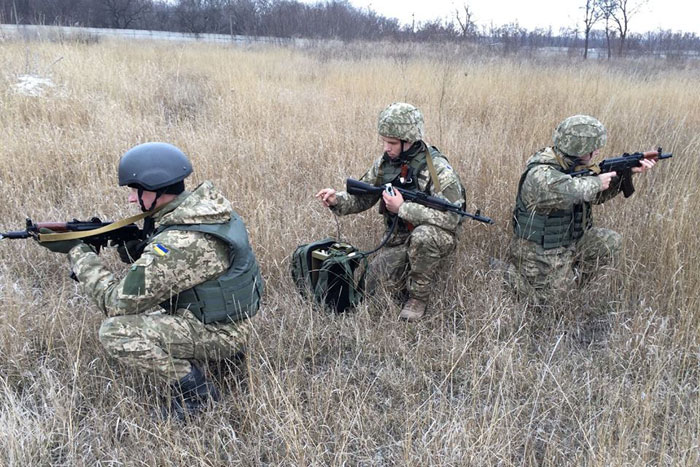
338, 19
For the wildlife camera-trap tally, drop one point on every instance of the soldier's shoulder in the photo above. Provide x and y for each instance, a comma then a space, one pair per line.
378, 161
442, 164
540, 174
180, 239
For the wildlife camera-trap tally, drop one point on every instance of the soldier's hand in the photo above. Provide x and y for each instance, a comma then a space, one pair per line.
327, 197
646, 165
63, 246
605, 179
393, 203
130, 251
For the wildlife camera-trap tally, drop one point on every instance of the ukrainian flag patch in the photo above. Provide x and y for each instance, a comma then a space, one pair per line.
160, 249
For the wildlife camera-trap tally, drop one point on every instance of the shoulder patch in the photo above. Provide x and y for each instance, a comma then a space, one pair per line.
160, 249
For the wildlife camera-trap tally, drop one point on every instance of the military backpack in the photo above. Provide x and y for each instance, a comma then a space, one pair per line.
326, 270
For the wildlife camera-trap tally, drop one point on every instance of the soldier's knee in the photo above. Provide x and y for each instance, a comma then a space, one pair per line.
114, 331
424, 237
615, 243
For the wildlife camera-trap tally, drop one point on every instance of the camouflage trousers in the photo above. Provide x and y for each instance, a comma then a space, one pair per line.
411, 262
163, 344
548, 275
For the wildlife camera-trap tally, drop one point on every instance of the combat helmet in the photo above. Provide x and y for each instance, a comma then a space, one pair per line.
153, 166
579, 135
402, 121
158, 167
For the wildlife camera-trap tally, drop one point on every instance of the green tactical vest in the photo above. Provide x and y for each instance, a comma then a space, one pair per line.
389, 171
235, 294
556, 229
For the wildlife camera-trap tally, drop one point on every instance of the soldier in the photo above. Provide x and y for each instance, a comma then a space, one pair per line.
423, 236
195, 263
554, 239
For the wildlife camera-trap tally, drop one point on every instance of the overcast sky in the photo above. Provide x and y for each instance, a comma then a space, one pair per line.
666, 14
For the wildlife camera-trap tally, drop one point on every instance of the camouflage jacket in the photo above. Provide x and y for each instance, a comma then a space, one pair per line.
416, 214
546, 188
172, 261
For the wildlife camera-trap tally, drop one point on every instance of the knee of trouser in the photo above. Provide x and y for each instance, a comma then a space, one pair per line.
614, 243
431, 241
423, 237
113, 330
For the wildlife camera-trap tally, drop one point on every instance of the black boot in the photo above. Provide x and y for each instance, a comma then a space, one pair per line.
191, 395
235, 366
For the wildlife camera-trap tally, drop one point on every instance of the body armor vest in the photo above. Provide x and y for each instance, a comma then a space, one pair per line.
236, 293
553, 230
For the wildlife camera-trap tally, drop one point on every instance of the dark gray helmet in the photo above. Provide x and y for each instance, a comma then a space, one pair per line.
153, 166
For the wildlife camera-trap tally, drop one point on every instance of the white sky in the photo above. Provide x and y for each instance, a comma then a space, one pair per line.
665, 14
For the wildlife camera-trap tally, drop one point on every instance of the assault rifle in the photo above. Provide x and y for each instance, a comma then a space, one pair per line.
101, 239
621, 165
356, 187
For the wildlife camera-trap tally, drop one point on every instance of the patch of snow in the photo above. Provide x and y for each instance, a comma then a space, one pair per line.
32, 85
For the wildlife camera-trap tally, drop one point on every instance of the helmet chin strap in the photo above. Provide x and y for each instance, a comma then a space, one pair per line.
153, 204
148, 222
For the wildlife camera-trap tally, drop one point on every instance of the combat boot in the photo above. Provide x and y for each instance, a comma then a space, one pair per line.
190, 395
231, 372
413, 310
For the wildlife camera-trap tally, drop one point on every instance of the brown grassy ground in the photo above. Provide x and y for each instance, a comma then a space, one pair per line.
610, 379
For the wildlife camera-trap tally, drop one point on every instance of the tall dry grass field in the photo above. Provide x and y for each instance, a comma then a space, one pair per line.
610, 378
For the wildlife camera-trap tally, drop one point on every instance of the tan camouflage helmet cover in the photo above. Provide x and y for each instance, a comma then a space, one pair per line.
579, 135
402, 121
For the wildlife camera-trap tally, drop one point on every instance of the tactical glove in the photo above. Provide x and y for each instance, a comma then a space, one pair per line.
62, 246
130, 251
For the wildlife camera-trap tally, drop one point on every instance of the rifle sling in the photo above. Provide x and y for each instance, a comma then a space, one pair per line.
433, 173
60, 236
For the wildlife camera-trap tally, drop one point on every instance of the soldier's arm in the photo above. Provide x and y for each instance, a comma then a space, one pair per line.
547, 189
451, 190
351, 204
172, 262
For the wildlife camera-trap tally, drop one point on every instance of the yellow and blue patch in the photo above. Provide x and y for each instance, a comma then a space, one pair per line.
160, 249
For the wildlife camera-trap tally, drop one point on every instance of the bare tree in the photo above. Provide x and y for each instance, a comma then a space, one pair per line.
592, 14
121, 14
467, 26
198, 16
606, 9
621, 12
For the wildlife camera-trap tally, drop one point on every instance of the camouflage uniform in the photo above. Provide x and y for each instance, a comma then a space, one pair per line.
411, 257
545, 272
173, 261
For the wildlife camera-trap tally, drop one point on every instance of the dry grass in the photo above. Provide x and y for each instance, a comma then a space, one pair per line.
611, 379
